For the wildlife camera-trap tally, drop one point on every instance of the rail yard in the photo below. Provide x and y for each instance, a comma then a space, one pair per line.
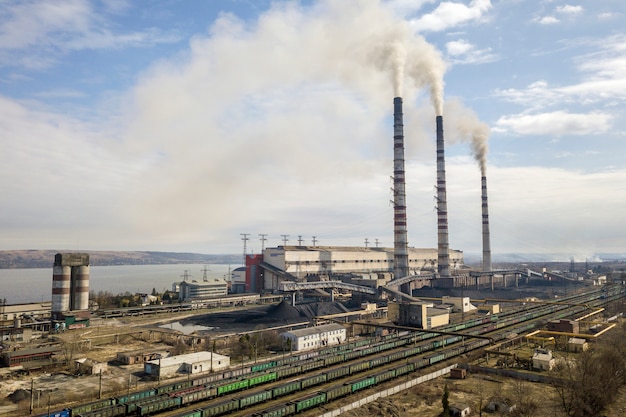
331, 377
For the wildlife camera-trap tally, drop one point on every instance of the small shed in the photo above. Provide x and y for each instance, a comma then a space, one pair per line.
140, 356
90, 367
543, 360
458, 373
460, 410
315, 337
576, 344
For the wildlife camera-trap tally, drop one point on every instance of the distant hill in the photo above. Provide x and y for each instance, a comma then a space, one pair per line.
45, 258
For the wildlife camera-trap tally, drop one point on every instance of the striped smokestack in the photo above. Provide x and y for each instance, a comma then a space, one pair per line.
443, 258
401, 253
486, 237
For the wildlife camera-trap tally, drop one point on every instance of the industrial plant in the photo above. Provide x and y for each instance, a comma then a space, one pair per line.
308, 328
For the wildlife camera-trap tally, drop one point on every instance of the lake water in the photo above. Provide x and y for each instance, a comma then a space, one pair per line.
35, 285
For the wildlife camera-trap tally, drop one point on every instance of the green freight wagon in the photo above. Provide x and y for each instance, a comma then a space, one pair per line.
263, 366
288, 371
334, 359
255, 398
338, 391
338, 373
232, 386
111, 411
286, 389
153, 407
385, 376
220, 408
193, 397
261, 379
358, 367
363, 383
135, 396
310, 401
96, 405
313, 380
192, 413
279, 411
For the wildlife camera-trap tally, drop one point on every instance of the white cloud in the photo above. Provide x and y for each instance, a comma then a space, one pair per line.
463, 52
33, 34
449, 14
557, 123
569, 10
546, 20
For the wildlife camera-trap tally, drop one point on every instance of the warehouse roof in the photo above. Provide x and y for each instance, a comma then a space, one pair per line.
316, 330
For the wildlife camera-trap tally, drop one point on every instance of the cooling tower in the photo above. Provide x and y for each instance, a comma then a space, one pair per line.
486, 237
443, 256
70, 283
400, 255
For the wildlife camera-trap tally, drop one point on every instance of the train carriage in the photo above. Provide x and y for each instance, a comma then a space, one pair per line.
363, 383
96, 405
110, 411
166, 403
193, 397
338, 391
313, 380
310, 401
278, 411
261, 379
286, 388
337, 373
255, 398
232, 386
135, 396
220, 408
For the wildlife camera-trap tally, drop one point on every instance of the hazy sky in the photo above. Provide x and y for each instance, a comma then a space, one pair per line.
179, 125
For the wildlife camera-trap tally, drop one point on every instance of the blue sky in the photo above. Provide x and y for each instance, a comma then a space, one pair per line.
178, 125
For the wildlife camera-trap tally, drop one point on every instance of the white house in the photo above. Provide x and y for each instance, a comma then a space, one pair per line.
315, 337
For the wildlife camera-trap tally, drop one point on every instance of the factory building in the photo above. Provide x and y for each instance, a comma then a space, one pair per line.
192, 363
314, 337
205, 289
304, 263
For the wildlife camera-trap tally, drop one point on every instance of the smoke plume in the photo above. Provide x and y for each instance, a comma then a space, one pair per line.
463, 125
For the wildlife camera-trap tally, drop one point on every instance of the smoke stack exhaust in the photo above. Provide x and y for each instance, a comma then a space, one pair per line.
486, 237
443, 258
401, 253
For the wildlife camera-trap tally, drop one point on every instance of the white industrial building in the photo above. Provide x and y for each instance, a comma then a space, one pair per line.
205, 289
192, 363
366, 263
315, 337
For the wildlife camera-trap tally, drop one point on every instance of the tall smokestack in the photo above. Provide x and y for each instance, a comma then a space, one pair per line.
486, 237
401, 253
443, 259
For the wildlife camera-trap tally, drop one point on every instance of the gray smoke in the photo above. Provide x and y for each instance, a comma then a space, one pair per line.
463, 125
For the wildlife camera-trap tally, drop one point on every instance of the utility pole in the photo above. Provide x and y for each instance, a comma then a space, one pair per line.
32, 395
186, 275
299, 240
314, 241
100, 387
366, 242
285, 239
263, 239
376, 241
205, 278
245, 249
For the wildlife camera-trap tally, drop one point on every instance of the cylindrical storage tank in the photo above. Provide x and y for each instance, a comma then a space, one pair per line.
61, 283
81, 288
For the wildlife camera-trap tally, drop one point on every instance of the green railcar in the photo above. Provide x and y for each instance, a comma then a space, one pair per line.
313, 380
165, 403
110, 411
288, 371
338, 373
232, 386
310, 401
363, 383
263, 366
96, 405
193, 397
385, 376
286, 388
255, 398
358, 367
338, 391
135, 396
220, 408
334, 359
192, 413
261, 379
405, 369
278, 411
173, 387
